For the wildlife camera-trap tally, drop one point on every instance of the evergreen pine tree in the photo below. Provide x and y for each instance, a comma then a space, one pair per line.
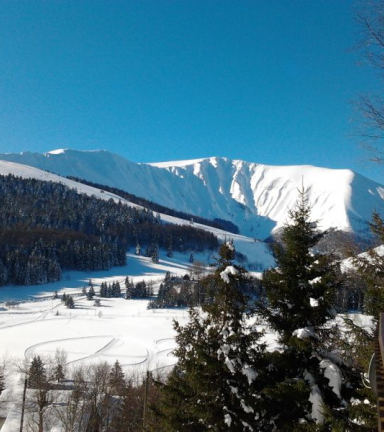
129, 288
69, 302
155, 253
39, 396
109, 291
59, 373
117, 290
37, 377
170, 248
2, 380
301, 293
217, 380
117, 379
103, 289
91, 293
160, 301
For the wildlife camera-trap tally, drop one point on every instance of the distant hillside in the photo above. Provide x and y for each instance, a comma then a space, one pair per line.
216, 223
46, 227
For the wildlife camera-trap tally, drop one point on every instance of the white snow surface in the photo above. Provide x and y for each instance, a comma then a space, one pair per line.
313, 302
225, 273
332, 372
256, 197
315, 399
228, 420
305, 333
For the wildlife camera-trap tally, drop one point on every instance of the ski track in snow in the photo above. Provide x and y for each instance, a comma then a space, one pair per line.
30, 350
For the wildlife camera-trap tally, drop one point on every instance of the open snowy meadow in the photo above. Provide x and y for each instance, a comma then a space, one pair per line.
33, 323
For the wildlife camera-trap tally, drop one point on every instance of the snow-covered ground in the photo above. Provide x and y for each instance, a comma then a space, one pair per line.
141, 339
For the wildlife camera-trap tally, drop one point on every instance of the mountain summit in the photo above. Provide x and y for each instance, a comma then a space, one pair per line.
255, 197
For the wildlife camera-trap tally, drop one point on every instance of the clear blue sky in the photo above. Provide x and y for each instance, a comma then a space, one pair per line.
261, 80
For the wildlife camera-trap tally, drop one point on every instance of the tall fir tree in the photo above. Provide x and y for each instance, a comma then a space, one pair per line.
117, 379
59, 373
216, 382
37, 376
309, 385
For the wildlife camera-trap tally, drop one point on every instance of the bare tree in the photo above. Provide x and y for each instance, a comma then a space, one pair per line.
370, 20
98, 397
70, 409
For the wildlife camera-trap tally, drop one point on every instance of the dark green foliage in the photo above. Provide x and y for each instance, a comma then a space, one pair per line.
69, 302
59, 373
358, 345
140, 290
170, 248
129, 288
215, 384
179, 292
117, 379
110, 290
91, 293
103, 290
300, 295
37, 377
39, 395
300, 276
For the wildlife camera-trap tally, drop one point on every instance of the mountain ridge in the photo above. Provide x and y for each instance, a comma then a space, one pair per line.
255, 197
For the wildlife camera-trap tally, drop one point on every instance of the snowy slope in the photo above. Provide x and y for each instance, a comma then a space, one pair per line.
258, 253
257, 198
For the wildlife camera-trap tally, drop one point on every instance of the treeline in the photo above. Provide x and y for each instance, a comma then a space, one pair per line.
215, 223
186, 291
46, 227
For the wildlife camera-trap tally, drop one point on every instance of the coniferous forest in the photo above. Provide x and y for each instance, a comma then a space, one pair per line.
47, 227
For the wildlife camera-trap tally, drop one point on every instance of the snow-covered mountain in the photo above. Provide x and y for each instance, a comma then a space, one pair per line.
258, 253
257, 198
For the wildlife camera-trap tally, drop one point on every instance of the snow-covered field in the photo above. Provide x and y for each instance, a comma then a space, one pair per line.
140, 339
119, 329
